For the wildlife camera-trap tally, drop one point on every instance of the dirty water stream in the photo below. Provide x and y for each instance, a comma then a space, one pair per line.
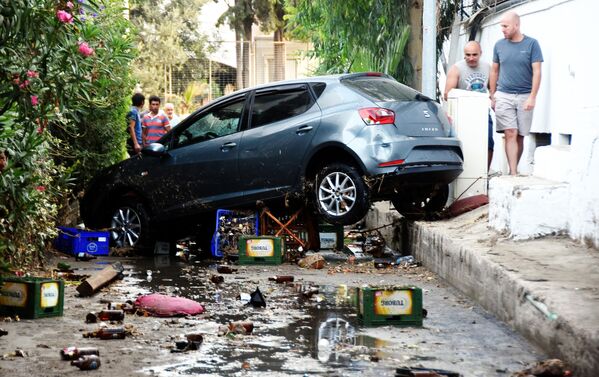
321, 335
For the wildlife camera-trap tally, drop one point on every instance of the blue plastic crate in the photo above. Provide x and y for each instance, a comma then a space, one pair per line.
219, 242
74, 241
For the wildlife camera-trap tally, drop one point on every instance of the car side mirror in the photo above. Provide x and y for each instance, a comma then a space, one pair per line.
154, 149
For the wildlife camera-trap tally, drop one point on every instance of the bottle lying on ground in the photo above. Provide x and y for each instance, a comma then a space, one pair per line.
281, 278
73, 353
106, 333
105, 315
127, 307
84, 256
222, 269
87, 362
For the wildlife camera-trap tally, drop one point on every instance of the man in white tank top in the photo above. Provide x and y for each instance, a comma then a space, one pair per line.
471, 74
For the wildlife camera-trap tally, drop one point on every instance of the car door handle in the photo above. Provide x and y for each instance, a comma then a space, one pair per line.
226, 146
303, 129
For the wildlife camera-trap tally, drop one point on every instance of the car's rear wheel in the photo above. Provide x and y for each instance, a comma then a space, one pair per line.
130, 225
421, 202
341, 194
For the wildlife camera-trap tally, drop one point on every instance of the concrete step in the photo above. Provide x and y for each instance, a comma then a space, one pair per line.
553, 162
528, 207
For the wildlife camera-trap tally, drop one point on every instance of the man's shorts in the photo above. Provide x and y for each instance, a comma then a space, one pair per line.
510, 114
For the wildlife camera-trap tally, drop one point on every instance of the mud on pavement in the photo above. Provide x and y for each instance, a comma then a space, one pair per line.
295, 334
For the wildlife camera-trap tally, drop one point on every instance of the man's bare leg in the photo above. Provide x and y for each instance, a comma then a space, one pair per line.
512, 151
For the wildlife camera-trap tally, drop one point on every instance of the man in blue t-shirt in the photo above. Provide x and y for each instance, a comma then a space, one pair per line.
514, 83
134, 142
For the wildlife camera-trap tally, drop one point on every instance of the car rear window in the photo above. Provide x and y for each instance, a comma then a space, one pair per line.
381, 89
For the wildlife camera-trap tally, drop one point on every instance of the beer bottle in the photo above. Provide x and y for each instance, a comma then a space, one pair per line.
281, 278
111, 315
73, 353
222, 269
106, 333
87, 362
82, 256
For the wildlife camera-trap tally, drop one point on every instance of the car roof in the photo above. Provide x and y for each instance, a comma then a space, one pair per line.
326, 79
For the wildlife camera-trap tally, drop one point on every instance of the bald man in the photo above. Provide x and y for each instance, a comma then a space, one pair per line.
514, 83
471, 74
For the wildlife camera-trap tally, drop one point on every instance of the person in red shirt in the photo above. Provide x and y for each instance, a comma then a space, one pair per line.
154, 124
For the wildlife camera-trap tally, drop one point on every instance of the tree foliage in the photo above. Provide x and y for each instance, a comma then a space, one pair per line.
168, 35
351, 36
64, 82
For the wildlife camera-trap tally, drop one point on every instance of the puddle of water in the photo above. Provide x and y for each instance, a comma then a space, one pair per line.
296, 334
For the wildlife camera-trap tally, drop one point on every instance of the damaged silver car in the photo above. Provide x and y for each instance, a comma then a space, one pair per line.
340, 141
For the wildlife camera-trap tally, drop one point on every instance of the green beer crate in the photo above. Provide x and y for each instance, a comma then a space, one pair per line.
390, 305
261, 250
31, 297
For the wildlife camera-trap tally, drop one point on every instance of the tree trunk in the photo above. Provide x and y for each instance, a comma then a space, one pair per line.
247, 38
279, 47
239, 59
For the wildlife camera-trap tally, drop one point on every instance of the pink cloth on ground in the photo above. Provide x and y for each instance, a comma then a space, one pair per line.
161, 305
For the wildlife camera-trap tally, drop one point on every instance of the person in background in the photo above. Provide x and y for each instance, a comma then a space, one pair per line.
514, 83
134, 142
173, 118
472, 74
154, 123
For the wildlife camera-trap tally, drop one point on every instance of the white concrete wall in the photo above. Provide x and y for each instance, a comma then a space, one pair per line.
567, 107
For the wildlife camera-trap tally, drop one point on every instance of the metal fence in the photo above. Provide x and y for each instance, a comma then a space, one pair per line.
232, 66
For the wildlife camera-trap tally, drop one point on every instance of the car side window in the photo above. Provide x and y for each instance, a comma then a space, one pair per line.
220, 121
273, 106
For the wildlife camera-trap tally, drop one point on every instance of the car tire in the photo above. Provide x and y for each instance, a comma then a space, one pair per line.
421, 203
341, 195
130, 225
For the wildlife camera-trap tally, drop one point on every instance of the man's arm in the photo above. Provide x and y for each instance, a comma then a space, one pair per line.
453, 76
536, 83
136, 145
144, 133
493, 76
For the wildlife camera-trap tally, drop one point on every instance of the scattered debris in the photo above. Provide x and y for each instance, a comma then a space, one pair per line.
84, 257
192, 343
3, 332
106, 333
314, 261
281, 278
217, 279
257, 299
424, 372
546, 368
100, 279
223, 269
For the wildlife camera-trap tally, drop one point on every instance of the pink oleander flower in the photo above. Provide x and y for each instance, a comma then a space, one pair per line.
34, 100
32, 74
64, 16
24, 84
85, 50
69, 5
41, 188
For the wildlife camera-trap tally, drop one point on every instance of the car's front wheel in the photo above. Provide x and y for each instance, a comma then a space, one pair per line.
341, 194
129, 225
421, 202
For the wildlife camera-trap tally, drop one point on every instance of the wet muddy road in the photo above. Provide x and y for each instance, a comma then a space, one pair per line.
293, 335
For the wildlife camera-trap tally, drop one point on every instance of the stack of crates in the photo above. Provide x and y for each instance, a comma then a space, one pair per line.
230, 225
261, 250
390, 305
74, 241
30, 297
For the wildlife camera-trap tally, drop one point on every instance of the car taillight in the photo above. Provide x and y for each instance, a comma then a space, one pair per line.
390, 163
377, 115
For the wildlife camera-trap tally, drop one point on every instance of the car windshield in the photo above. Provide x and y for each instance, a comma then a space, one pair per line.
381, 89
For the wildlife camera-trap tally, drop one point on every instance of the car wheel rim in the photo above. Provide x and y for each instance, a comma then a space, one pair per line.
337, 194
125, 227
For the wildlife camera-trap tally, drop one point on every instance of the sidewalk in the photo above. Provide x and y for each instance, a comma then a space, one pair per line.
547, 289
